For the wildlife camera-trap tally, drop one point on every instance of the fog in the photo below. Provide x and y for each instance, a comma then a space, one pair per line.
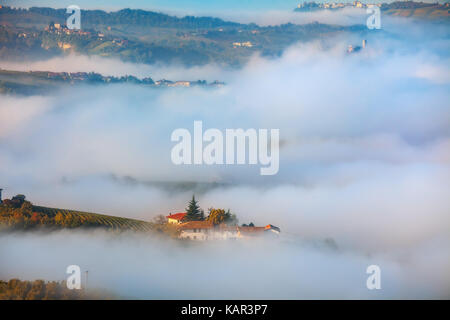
364, 161
143, 267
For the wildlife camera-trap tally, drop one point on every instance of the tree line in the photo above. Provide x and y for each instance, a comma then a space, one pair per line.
16, 289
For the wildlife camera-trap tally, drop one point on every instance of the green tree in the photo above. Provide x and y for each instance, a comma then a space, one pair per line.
193, 211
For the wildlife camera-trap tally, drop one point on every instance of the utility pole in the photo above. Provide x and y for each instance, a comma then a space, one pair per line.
86, 281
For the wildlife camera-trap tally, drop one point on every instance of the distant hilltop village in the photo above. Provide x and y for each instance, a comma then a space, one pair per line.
402, 5
62, 29
311, 6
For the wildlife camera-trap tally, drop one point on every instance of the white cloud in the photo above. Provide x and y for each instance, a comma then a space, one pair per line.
150, 268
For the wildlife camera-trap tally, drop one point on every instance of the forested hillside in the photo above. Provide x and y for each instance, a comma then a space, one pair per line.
150, 37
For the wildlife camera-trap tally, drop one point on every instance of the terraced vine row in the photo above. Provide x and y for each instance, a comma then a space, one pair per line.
110, 222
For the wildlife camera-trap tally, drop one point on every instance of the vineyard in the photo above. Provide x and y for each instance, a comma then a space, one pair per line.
18, 213
95, 219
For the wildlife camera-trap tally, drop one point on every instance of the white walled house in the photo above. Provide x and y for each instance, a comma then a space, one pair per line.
196, 230
206, 230
176, 218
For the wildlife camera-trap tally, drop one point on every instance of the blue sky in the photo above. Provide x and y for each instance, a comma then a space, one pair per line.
177, 5
188, 6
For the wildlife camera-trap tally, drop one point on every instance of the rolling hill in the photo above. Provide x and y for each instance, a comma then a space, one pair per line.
20, 214
141, 36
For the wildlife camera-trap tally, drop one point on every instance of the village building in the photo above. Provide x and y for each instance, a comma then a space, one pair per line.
180, 84
246, 44
206, 230
176, 218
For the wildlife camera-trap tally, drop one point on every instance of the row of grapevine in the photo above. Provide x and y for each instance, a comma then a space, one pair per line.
110, 222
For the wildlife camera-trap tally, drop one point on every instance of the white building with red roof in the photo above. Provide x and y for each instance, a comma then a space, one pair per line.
176, 218
206, 230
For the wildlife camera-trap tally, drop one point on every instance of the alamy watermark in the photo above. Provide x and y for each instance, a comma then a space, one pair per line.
74, 279
74, 20
374, 280
374, 20
229, 148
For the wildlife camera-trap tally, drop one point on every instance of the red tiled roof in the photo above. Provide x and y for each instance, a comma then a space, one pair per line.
273, 228
196, 225
176, 216
251, 229
224, 227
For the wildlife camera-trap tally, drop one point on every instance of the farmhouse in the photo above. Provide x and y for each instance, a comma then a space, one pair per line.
176, 218
206, 230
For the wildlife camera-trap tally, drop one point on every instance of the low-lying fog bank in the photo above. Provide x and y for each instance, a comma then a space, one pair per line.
133, 266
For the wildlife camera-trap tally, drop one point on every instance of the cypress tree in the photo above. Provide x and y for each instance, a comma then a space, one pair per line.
193, 211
